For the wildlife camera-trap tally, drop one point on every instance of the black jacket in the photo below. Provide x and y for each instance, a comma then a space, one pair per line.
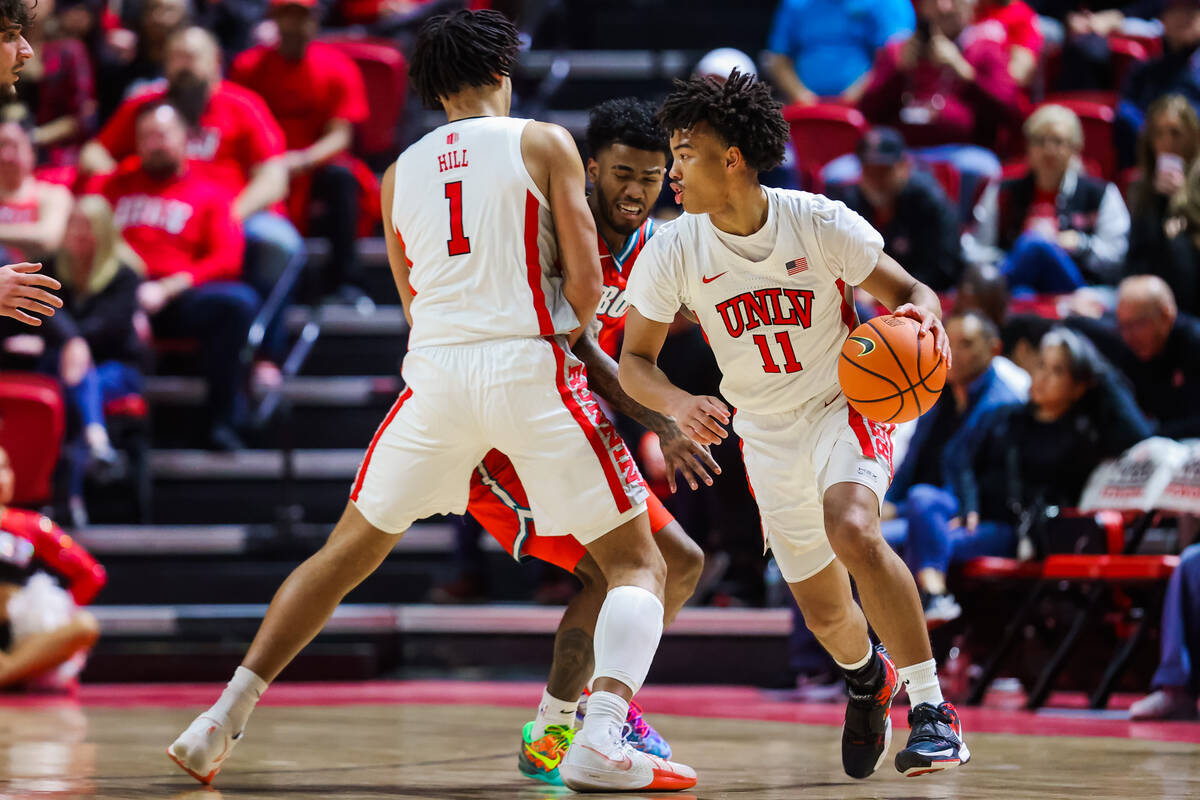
104, 320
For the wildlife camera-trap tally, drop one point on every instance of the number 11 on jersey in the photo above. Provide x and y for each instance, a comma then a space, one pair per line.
790, 364
458, 244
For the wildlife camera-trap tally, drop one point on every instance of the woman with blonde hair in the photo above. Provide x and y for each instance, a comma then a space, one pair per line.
101, 355
1164, 239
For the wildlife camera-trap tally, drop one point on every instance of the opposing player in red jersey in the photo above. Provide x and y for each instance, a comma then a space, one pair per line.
627, 166
493, 251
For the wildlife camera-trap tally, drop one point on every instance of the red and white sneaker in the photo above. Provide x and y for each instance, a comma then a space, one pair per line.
202, 748
619, 767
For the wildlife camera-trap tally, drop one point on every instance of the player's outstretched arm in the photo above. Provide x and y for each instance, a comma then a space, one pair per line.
554, 164
692, 460
397, 258
23, 293
701, 417
906, 296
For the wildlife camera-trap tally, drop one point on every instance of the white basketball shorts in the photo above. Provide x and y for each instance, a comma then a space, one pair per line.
528, 398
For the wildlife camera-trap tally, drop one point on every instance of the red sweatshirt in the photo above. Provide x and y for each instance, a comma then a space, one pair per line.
26, 535
181, 224
943, 108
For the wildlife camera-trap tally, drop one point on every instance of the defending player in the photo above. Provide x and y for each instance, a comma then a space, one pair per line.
629, 155
768, 273
478, 213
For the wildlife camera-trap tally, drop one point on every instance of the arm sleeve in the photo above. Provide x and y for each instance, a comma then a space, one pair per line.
351, 93
779, 40
262, 138
84, 576
225, 243
848, 243
117, 135
1110, 242
656, 288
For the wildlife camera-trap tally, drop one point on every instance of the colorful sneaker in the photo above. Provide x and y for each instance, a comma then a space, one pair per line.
617, 766
202, 748
642, 735
539, 758
935, 742
867, 732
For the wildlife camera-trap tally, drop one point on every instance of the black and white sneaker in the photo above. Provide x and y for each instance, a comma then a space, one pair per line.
935, 742
867, 732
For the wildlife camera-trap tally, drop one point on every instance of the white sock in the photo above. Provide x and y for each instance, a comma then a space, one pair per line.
552, 711
862, 662
605, 719
922, 682
238, 700
627, 633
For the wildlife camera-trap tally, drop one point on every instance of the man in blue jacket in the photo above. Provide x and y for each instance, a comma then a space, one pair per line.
921, 495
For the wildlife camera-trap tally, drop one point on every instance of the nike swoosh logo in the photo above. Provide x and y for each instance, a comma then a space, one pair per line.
706, 279
941, 753
545, 761
839, 394
624, 765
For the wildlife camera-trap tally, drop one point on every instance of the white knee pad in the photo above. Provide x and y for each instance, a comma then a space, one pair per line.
627, 633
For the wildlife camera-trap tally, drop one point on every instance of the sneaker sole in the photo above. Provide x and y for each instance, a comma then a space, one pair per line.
591, 780
927, 766
550, 778
205, 779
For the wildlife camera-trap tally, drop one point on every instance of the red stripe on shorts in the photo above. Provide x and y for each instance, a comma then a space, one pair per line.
589, 430
533, 265
362, 470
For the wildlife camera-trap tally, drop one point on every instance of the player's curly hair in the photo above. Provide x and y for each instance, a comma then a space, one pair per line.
740, 110
627, 121
459, 50
14, 12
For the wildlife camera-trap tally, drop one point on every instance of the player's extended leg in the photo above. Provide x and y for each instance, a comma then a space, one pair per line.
890, 600
628, 629
298, 612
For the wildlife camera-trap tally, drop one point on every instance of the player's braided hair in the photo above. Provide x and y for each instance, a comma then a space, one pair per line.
627, 121
460, 50
14, 12
740, 110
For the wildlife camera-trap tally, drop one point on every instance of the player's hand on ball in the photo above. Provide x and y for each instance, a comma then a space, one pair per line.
692, 460
702, 418
929, 324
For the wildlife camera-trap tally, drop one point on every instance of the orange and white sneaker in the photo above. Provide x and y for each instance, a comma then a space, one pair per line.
203, 747
619, 767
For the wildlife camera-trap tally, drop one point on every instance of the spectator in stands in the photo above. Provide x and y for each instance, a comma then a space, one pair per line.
1060, 228
1177, 679
58, 88
1028, 457
317, 94
182, 226
1083, 33
1014, 25
944, 84
132, 59
923, 485
1174, 72
33, 213
234, 141
101, 355
1022, 336
1165, 200
984, 289
44, 635
1158, 349
919, 224
824, 48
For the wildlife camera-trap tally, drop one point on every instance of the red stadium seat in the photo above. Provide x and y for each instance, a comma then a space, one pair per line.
994, 568
1098, 145
820, 134
1151, 45
1126, 54
386, 77
32, 421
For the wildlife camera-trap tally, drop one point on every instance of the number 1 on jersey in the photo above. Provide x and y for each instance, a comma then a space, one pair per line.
790, 364
458, 244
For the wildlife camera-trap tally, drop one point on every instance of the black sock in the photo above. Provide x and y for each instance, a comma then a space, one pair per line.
867, 678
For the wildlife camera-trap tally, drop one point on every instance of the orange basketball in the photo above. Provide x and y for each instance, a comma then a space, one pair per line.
888, 373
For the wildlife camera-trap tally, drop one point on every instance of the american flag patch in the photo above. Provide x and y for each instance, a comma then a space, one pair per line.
452, 138
796, 266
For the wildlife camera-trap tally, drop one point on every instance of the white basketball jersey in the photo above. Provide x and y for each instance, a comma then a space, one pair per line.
478, 236
776, 326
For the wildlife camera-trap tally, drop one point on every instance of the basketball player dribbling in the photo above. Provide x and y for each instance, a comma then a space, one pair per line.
477, 215
768, 273
627, 165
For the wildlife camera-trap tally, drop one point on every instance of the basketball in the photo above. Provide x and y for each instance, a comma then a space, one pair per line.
888, 373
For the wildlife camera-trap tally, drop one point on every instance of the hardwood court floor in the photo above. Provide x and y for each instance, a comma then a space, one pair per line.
374, 746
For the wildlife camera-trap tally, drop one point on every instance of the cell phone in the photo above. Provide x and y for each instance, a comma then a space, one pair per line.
1169, 162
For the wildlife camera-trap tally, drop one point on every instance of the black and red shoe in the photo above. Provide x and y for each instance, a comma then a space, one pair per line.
867, 733
935, 742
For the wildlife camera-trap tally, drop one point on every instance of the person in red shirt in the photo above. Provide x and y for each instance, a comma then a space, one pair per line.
1013, 25
44, 636
33, 213
317, 94
183, 227
233, 140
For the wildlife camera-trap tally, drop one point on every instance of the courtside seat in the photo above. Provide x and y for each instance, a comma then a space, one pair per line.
994, 568
820, 134
32, 423
1110, 569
